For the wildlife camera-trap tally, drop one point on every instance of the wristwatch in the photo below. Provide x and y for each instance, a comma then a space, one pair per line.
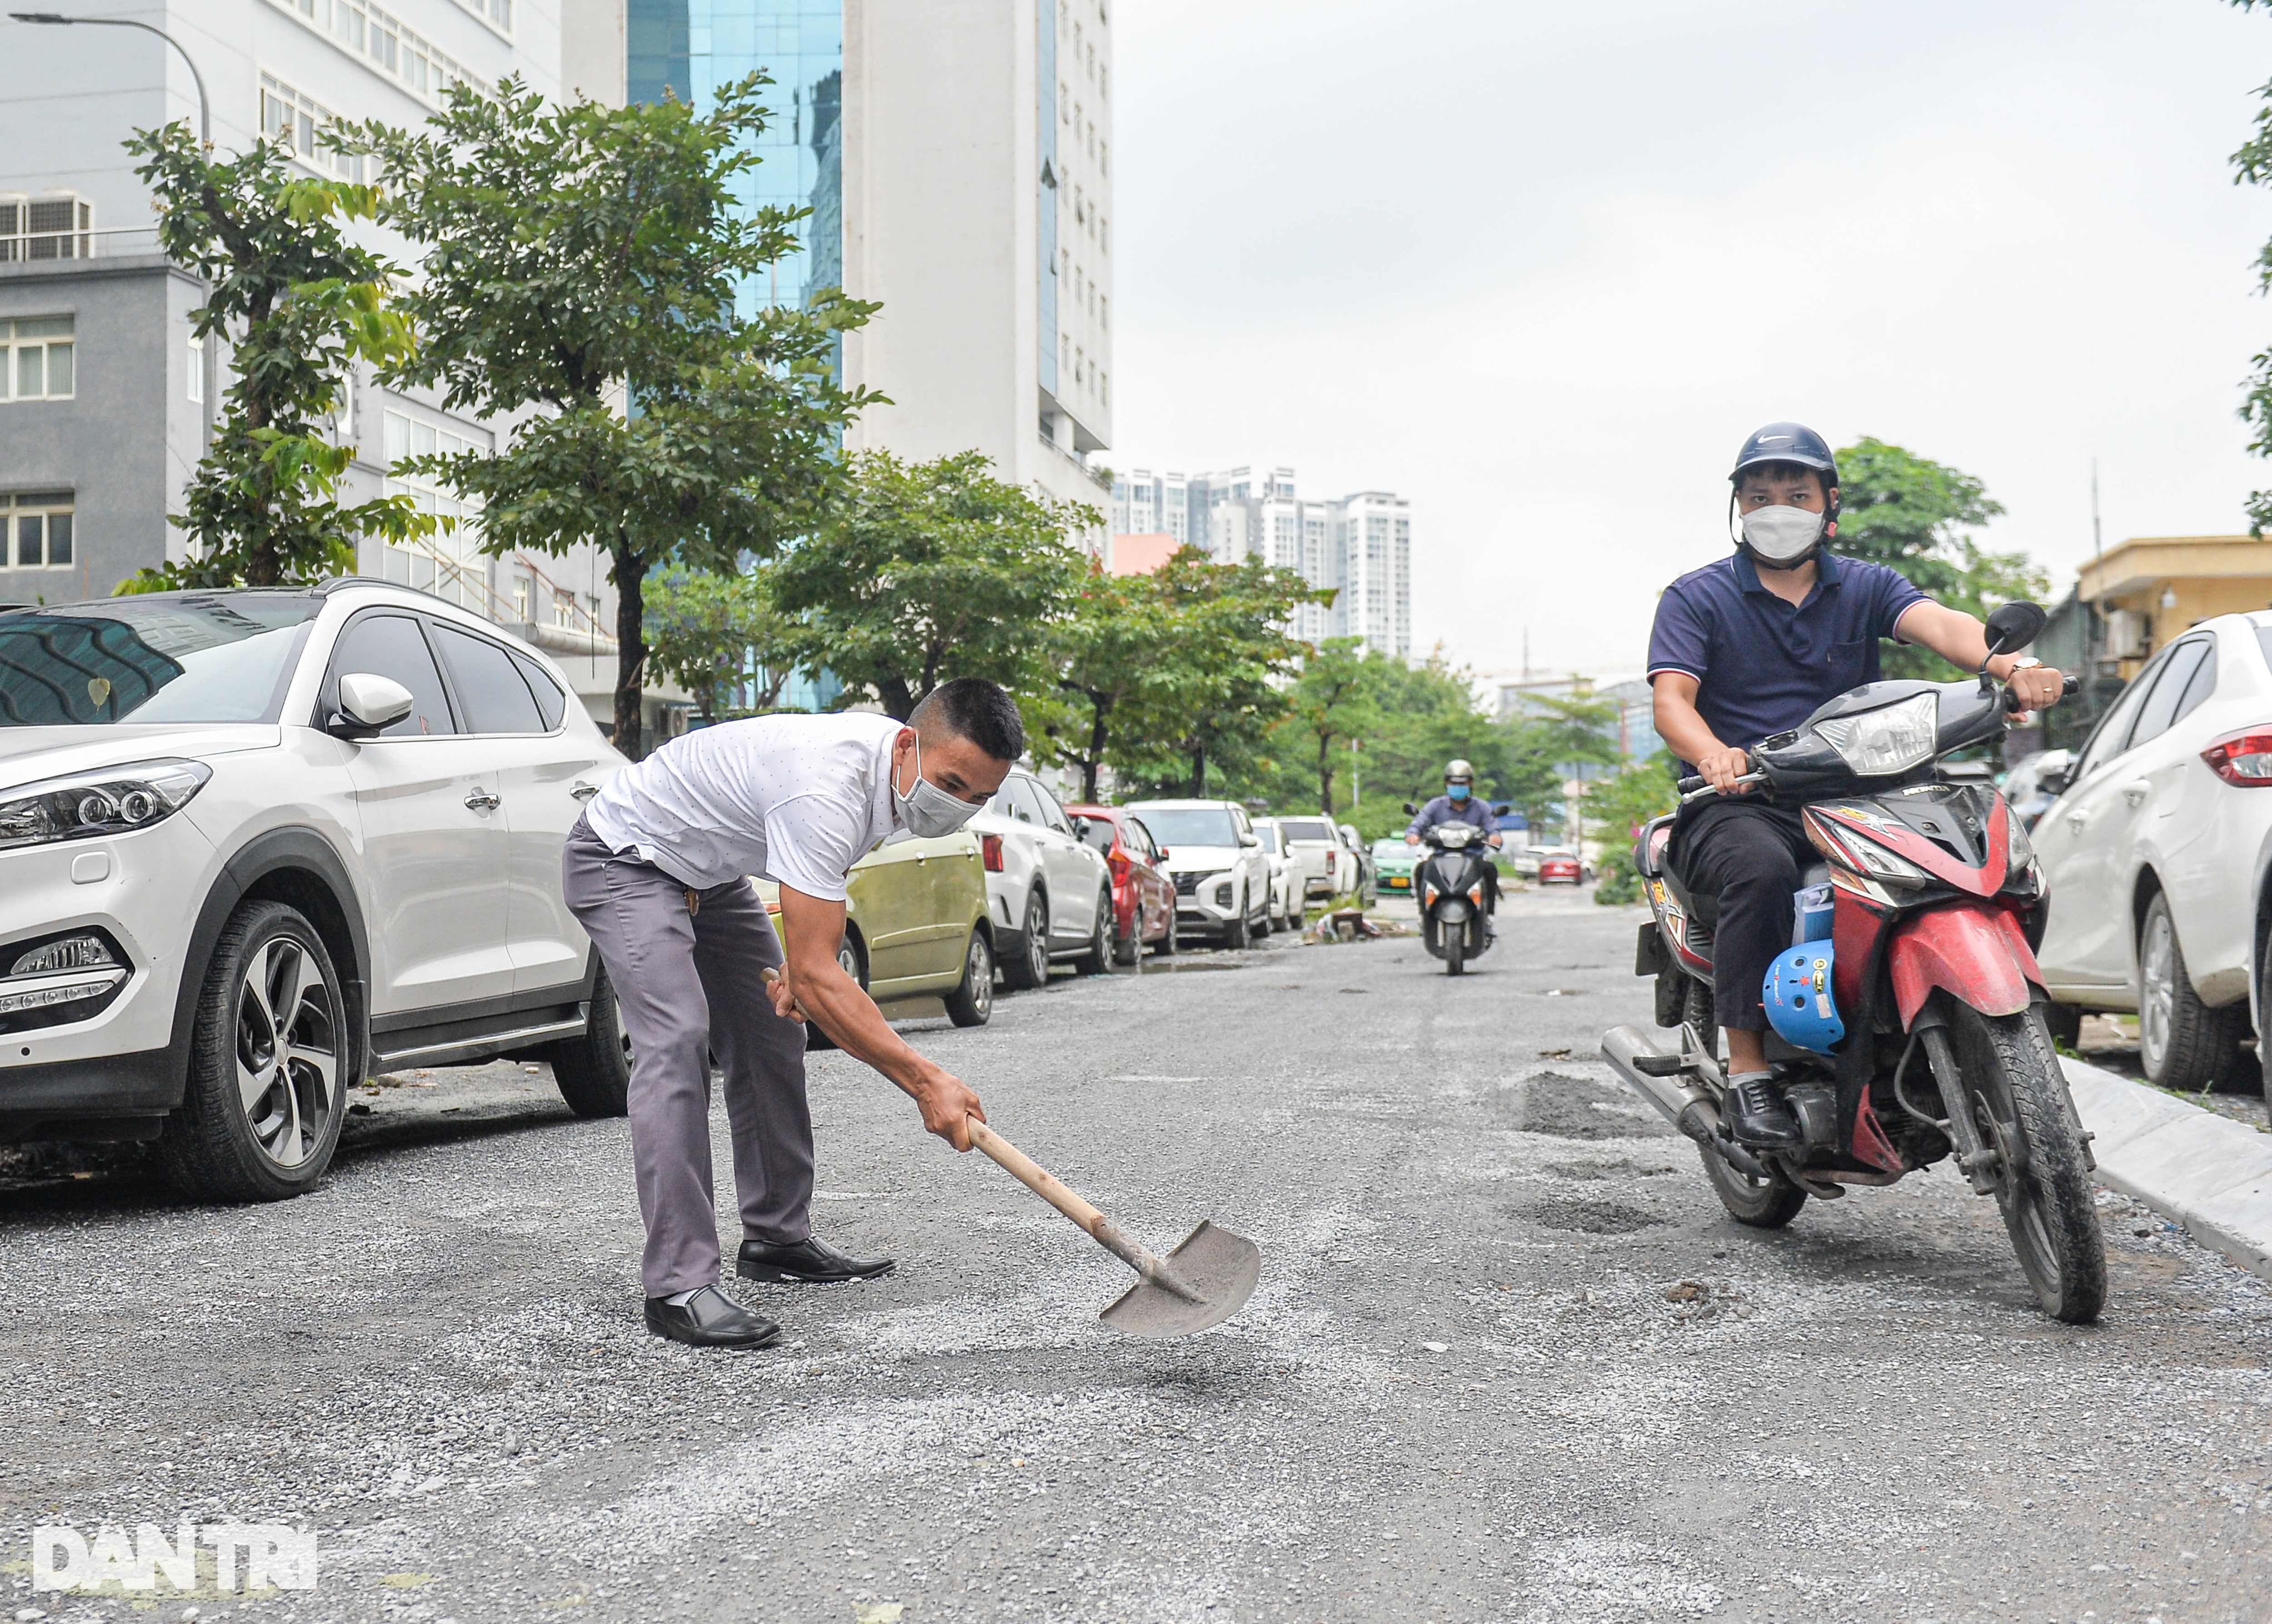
2026, 662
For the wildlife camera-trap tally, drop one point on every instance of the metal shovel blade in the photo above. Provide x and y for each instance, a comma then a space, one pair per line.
1219, 1267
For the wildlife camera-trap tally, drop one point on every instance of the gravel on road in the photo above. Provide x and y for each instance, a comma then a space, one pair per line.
1508, 1360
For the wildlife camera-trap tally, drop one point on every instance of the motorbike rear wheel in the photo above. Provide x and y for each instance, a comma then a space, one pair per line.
1762, 1203
2018, 1096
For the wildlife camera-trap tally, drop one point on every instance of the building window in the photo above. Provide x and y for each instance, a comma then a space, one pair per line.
292, 117
1064, 357
520, 592
448, 563
35, 531
1103, 158
1065, 107
36, 359
1103, 235
1104, 386
197, 369
563, 608
1103, 311
365, 31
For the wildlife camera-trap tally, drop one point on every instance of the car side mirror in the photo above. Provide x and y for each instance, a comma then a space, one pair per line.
1250, 839
368, 705
1079, 827
1162, 852
2055, 771
2014, 625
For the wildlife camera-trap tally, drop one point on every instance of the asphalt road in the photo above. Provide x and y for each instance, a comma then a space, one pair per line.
1472, 1385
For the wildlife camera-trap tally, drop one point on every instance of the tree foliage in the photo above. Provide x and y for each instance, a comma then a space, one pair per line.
1119, 675
585, 264
926, 571
2252, 165
1333, 703
1233, 648
1618, 807
297, 302
1907, 511
716, 634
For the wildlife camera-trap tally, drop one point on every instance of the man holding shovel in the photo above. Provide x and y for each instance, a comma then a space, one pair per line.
656, 870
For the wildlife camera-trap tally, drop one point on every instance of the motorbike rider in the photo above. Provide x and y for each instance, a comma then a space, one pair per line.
1458, 804
1750, 646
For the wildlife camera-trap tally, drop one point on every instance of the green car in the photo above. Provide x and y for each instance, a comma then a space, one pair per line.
1391, 862
916, 925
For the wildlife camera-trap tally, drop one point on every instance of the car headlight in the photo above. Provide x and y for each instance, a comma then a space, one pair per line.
114, 800
1891, 739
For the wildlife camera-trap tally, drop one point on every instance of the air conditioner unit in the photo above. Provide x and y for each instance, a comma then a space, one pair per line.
55, 225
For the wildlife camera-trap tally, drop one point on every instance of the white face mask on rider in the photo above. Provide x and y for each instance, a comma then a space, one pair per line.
1782, 535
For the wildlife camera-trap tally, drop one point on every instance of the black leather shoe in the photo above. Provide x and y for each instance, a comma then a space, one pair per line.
1757, 1116
810, 1259
709, 1319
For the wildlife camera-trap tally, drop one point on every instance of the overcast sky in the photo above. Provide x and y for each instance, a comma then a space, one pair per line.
1540, 268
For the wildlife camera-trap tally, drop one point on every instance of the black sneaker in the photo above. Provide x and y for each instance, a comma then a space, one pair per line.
1756, 1115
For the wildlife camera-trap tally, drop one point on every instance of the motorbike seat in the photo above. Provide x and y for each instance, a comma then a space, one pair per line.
1655, 835
1814, 873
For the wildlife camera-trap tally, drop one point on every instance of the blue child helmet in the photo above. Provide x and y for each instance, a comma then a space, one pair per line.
1800, 1003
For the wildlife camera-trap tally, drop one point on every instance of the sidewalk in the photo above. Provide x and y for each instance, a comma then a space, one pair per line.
2208, 1172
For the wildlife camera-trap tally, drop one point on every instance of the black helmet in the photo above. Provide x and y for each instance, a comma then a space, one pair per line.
1786, 442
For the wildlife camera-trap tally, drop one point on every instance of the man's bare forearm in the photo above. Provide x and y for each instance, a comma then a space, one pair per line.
1680, 726
833, 1001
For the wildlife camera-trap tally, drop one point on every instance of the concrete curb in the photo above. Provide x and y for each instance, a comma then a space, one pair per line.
2208, 1172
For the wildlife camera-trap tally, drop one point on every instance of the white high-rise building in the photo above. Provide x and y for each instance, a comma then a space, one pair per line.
1361, 545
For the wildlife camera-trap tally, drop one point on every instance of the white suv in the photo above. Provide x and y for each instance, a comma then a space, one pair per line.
255, 845
1313, 846
1050, 892
1222, 872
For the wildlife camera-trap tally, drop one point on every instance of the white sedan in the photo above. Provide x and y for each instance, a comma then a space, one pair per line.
2156, 850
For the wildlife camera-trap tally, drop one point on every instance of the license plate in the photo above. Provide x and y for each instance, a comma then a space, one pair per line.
1397, 883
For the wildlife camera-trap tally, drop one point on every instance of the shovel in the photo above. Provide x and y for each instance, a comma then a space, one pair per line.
1203, 1282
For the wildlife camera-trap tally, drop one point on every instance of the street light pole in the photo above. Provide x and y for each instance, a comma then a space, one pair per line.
56, 20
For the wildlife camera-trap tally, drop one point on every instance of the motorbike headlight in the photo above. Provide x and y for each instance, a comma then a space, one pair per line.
2023, 849
114, 801
1892, 739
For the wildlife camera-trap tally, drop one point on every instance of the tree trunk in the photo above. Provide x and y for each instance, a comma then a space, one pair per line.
898, 699
1198, 771
630, 651
1326, 773
1097, 735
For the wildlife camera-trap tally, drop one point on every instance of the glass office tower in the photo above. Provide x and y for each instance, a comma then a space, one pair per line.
688, 49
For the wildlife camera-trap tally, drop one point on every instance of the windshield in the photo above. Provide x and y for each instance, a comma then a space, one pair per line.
1307, 829
1269, 839
219, 658
1173, 826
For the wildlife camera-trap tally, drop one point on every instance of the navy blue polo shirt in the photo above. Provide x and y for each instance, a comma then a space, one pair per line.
1762, 665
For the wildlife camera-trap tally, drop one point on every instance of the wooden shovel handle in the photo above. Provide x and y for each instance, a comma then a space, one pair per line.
1107, 1233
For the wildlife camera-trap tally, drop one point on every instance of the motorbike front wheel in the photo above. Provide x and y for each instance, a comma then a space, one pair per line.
1455, 949
2018, 1096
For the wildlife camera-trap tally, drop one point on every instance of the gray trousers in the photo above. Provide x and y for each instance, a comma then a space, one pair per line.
686, 974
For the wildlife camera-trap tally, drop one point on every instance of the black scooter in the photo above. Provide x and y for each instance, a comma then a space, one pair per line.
1457, 889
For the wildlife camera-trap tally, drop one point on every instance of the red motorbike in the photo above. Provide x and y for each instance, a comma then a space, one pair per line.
1927, 975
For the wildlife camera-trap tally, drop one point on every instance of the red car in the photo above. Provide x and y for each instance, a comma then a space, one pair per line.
1143, 894
1560, 868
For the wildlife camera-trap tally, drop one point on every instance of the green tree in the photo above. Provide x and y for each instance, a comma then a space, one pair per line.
298, 302
1122, 674
926, 571
1906, 512
1619, 807
1554, 740
711, 634
1232, 655
2252, 165
1332, 702
584, 264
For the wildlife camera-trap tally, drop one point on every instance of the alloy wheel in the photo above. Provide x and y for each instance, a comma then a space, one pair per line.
978, 976
287, 1044
2157, 992
1037, 939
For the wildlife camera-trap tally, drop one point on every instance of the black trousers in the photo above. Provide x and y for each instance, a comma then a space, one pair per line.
1740, 860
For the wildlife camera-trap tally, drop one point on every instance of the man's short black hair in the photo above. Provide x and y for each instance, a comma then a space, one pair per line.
975, 709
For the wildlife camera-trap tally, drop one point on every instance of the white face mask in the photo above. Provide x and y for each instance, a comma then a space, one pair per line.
929, 811
1782, 535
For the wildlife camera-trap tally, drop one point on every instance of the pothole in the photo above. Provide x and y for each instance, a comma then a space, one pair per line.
1590, 1215
1569, 1108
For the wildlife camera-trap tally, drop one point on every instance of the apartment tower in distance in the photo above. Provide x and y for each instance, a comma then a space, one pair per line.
957, 159
1361, 545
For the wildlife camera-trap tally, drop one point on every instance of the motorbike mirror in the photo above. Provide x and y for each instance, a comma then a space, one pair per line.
1410, 810
1500, 809
2013, 626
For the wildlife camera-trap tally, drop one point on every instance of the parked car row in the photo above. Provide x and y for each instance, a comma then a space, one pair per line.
2156, 852
258, 845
